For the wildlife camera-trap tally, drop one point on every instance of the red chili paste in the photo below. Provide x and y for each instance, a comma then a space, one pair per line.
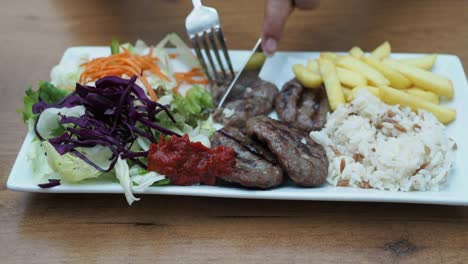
187, 163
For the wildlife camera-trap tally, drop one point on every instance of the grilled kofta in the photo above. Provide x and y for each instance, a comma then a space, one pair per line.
256, 166
301, 158
252, 96
300, 107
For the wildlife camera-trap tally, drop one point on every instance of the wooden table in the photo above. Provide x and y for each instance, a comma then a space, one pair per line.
77, 228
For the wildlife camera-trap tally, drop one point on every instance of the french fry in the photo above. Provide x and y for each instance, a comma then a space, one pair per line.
356, 52
329, 56
394, 96
382, 51
424, 62
353, 64
373, 90
397, 80
332, 84
348, 94
428, 96
313, 66
350, 78
307, 77
424, 79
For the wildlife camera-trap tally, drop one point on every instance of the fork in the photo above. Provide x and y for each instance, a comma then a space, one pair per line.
204, 29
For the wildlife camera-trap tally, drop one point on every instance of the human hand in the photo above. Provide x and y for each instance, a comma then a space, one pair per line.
276, 14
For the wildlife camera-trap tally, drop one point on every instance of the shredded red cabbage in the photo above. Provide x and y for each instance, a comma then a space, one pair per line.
51, 183
114, 107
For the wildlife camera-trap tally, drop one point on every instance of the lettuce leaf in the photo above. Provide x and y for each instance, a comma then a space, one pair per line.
73, 169
184, 51
29, 100
203, 132
115, 47
194, 105
144, 181
67, 73
49, 125
36, 155
47, 92
122, 172
129, 47
142, 178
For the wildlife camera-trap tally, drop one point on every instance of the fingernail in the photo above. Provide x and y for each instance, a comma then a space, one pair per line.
270, 46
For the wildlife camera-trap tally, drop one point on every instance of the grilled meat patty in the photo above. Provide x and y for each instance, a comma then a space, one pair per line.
301, 158
251, 97
256, 166
303, 108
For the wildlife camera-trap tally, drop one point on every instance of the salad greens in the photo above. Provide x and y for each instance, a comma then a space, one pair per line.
49, 93
84, 132
183, 50
73, 169
123, 175
46, 92
115, 47
39, 163
194, 105
48, 124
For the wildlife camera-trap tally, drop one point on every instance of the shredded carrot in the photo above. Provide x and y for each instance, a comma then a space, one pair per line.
124, 63
194, 76
173, 55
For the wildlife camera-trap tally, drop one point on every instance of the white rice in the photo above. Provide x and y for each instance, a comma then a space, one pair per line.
370, 144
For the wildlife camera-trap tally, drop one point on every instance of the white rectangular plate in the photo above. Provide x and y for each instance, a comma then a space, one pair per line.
278, 70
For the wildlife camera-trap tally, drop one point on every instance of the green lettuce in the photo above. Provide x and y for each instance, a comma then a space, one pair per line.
191, 113
37, 157
122, 173
73, 169
29, 100
143, 179
115, 47
195, 105
47, 92
48, 124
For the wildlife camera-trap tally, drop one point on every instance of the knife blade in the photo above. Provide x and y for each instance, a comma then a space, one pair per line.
253, 65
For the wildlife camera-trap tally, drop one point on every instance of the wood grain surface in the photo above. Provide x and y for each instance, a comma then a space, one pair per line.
40, 228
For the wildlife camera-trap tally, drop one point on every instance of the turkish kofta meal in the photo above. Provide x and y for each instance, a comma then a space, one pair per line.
147, 117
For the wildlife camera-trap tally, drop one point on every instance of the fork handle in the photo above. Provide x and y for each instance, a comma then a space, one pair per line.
196, 3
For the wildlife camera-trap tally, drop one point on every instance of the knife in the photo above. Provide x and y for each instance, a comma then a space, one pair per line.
253, 65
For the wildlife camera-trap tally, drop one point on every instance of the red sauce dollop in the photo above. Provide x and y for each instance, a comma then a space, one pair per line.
187, 163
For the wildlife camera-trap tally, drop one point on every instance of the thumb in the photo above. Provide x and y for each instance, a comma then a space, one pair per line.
276, 14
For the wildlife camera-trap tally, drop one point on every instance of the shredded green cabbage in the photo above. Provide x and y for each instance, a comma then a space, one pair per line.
184, 51
66, 74
37, 157
122, 173
142, 178
73, 169
49, 125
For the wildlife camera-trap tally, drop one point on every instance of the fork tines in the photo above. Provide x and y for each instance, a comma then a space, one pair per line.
207, 43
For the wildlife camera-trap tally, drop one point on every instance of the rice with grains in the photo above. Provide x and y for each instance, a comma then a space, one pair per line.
370, 144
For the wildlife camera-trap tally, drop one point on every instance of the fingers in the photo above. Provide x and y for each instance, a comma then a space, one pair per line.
276, 14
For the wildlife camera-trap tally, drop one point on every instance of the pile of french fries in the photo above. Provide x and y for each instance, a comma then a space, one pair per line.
406, 82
